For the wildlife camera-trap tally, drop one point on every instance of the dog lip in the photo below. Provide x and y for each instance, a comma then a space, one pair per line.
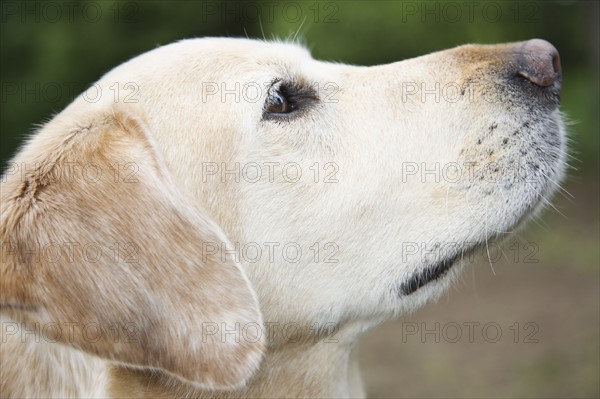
433, 272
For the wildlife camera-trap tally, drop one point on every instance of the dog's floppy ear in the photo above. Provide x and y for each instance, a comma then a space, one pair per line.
98, 244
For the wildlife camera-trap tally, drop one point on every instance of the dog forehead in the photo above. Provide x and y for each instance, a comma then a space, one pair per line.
217, 54
251, 48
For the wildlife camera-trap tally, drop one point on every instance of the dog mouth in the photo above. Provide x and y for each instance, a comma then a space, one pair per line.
435, 270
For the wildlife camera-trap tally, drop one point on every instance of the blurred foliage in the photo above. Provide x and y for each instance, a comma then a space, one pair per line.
52, 50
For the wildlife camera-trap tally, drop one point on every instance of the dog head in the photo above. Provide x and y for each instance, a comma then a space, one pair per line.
350, 191
347, 193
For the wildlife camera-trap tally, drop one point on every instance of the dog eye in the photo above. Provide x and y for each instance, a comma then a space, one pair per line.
279, 101
289, 100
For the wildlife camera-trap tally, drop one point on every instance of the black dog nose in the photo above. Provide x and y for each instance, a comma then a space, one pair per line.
538, 61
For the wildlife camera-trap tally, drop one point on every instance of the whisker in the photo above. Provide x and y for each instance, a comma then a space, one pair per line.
299, 28
546, 201
261, 28
487, 248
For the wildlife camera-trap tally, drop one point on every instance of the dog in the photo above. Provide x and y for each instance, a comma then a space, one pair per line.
225, 217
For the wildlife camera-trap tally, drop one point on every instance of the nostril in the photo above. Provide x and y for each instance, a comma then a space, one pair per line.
556, 63
538, 61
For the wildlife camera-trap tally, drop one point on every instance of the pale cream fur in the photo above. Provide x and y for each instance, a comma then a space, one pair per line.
363, 125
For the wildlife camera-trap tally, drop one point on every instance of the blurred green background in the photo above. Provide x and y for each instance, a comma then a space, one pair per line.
51, 51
